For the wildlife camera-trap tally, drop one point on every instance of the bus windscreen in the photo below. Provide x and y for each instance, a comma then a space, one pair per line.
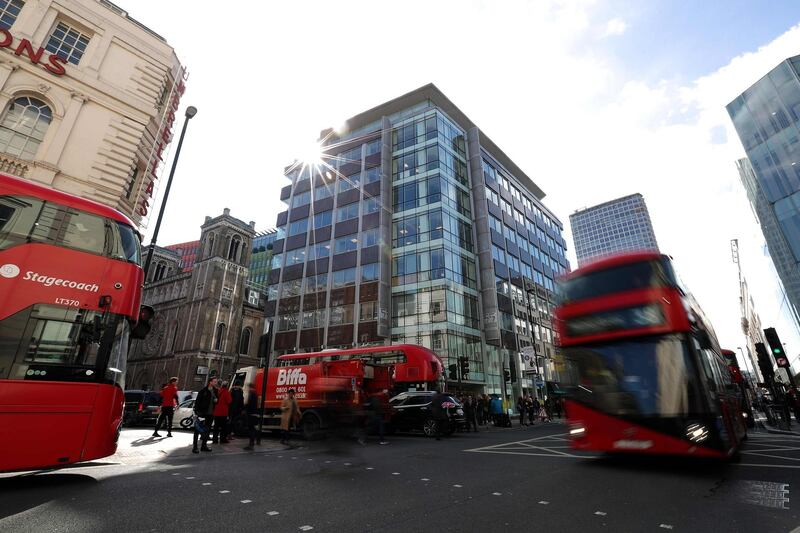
641, 275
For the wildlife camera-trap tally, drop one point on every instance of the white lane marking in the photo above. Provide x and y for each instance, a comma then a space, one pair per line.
224, 491
764, 465
190, 477
424, 479
176, 474
273, 513
326, 462
665, 526
280, 457
294, 457
347, 464
370, 468
246, 501
395, 473
458, 486
543, 502
600, 513
497, 494
309, 459
206, 484
305, 528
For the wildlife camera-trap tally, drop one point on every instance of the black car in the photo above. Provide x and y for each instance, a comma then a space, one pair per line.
411, 411
141, 407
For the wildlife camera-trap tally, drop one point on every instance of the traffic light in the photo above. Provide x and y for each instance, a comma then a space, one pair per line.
507, 375
776, 347
463, 362
764, 362
452, 371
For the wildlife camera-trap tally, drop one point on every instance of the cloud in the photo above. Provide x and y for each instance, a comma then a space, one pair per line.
615, 26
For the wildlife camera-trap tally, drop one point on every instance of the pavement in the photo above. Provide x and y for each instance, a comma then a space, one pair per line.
515, 479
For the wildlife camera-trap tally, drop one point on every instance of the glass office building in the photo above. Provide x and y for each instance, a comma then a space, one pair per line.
621, 225
417, 229
766, 118
261, 259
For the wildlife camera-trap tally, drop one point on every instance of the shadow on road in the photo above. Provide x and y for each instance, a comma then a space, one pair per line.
683, 466
31, 490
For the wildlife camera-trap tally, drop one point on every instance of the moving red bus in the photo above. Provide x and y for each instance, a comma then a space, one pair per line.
70, 291
745, 394
651, 375
320, 377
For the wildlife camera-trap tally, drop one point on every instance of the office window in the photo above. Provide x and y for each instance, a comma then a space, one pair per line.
349, 182
319, 251
372, 205
370, 272
499, 254
372, 175
513, 263
506, 207
347, 212
345, 244
23, 127
492, 196
374, 147
323, 191
495, 224
67, 43
343, 278
294, 257
297, 227
301, 199
9, 10
510, 234
323, 219
370, 237
368, 311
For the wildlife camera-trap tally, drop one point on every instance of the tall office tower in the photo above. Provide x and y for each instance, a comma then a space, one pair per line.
766, 119
418, 229
619, 225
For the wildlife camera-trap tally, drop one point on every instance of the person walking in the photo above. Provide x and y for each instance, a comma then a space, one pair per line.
470, 407
521, 406
529, 403
375, 417
204, 412
251, 412
221, 409
236, 410
496, 410
169, 399
439, 413
479, 410
290, 415
486, 405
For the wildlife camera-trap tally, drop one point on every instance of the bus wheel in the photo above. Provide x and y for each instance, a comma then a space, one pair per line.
429, 427
310, 425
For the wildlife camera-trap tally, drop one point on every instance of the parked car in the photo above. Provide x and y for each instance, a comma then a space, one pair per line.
184, 415
411, 411
141, 407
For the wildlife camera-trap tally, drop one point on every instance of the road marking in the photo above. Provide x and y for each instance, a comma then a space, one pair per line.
543, 502
370, 468
347, 464
273, 513
424, 479
395, 473
665, 526
224, 491
600, 513
294, 457
326, 462
309, 459
206, 484
305, 528
245, 501
190, 477
497, 494
176, 474
763, 493
458, 486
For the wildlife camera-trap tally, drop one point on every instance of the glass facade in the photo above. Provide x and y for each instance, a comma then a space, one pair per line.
261, 258
767, 119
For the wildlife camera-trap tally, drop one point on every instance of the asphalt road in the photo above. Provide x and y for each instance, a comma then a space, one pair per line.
520, 479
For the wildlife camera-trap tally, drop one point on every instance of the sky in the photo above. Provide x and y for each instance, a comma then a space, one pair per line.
594, 99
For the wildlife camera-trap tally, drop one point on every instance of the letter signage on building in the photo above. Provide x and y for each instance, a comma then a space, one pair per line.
50, 62
163, 139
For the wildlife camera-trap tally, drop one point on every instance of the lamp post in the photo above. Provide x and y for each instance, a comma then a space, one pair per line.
190, 112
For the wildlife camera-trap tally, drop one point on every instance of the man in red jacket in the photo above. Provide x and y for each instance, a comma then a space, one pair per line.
220, 433
169, 399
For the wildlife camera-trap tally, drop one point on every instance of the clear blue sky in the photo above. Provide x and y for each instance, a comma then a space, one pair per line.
682, 40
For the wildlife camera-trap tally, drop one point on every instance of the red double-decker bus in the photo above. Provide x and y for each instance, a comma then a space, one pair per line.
70, 293
651, 375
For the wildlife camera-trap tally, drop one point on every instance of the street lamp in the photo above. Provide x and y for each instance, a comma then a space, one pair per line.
190, 112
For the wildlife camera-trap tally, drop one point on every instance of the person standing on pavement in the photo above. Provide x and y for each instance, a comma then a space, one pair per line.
479, 409
169, 399
204, 412
376, 413
290, 415
521, 408
251, 412
220, 433
236, 408
529, 403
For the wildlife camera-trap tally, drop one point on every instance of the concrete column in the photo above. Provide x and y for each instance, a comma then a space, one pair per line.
385, 280
56, 146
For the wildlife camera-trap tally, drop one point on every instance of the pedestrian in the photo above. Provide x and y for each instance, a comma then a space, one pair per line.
375, 417
529, 403
470, 407
204, 413
221, 409
496, 410
439, 413
169, 399
290, 415
548, 407
486, 406
236, 410
521, 408
250, 412
479, 410
557, 407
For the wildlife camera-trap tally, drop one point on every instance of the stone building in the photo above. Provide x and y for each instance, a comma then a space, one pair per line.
88, 100
207, 321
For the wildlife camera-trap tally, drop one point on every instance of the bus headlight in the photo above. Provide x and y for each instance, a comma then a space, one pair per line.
697, 432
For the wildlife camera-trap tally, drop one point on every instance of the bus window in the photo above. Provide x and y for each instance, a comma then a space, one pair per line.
17, 218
